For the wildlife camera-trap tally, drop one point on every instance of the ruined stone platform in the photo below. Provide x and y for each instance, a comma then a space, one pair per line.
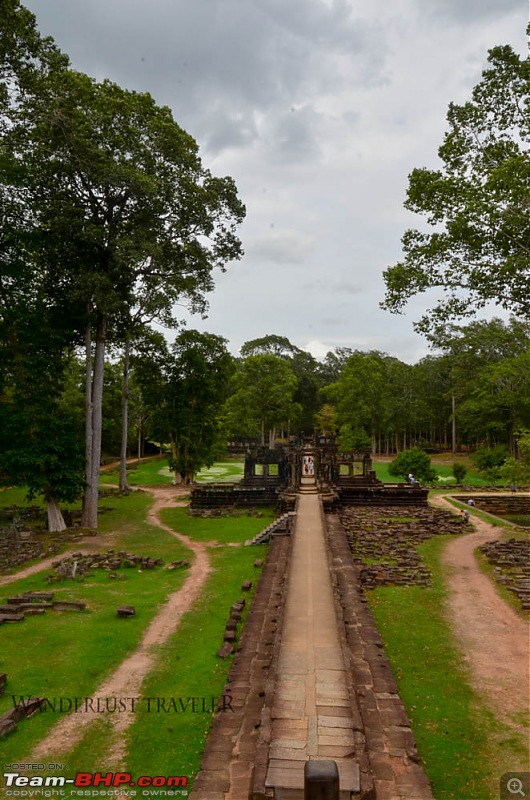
311, 681
311, 716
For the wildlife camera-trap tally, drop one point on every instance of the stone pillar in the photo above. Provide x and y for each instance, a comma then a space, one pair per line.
321, 780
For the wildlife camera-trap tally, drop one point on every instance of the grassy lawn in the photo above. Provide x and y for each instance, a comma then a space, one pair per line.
169, 732
222, 471
218, 529
68, 654
151, 472
444, 470
464, 748
190, 668
156, 471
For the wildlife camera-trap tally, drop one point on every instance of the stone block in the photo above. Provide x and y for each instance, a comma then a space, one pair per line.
226, 650
62, 605
126, 611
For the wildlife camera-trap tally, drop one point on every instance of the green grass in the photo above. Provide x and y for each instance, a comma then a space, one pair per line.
221, 472
151, 472
464, 747
167, 742
162, 740
156, 471
218, 529
472, 477
173, 743
509, 597
68, 654
381, 471
497, 522
16, 496
445, 473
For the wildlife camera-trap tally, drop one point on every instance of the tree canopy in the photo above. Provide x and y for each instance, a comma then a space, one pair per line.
477, 203
105, 207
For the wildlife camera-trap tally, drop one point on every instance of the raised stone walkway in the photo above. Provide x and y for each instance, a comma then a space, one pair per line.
311, 716
311, 681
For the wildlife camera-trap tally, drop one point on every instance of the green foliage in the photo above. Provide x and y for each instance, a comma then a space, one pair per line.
263, 397
514, 471
477, 204
459, 471
326, 420
106, 207
40, 433
489, 459
413, 461
523, 446
303, 365
359, 395
271, 345
354, 439
198, 375
517, 470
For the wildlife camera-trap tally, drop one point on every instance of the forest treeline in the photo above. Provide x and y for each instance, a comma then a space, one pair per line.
192, 397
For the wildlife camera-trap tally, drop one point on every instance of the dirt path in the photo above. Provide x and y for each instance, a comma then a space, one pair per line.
127, 679
495, 639
88, 545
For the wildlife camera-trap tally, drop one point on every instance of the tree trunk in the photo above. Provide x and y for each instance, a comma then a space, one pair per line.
88, 413
90, 509
124, 486
56, 521
178, 477
263, 431
453, 421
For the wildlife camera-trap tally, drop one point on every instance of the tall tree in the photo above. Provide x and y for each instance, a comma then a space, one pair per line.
263, 397
119, 190
40, 436
477, 203
358, 396
198, 377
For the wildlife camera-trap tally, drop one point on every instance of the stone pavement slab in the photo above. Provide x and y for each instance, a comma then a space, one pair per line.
310, 710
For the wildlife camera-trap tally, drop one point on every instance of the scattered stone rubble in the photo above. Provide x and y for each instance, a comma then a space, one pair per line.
24, 708
19, 544
230, 634
27, 604
383, 542
511, 566
79, 566
24, 535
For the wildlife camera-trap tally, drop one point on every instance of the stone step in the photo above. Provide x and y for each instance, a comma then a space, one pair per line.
289, 775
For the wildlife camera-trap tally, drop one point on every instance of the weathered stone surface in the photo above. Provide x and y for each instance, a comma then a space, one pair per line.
240, 734
385, 735
63, 605
511, 566
225, 650
383, 541
126, 611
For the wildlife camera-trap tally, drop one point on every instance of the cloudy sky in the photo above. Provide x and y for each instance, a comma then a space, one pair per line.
319, 109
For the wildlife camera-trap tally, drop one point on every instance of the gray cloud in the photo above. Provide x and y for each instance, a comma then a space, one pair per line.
319, 109
468, 12
281, 247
